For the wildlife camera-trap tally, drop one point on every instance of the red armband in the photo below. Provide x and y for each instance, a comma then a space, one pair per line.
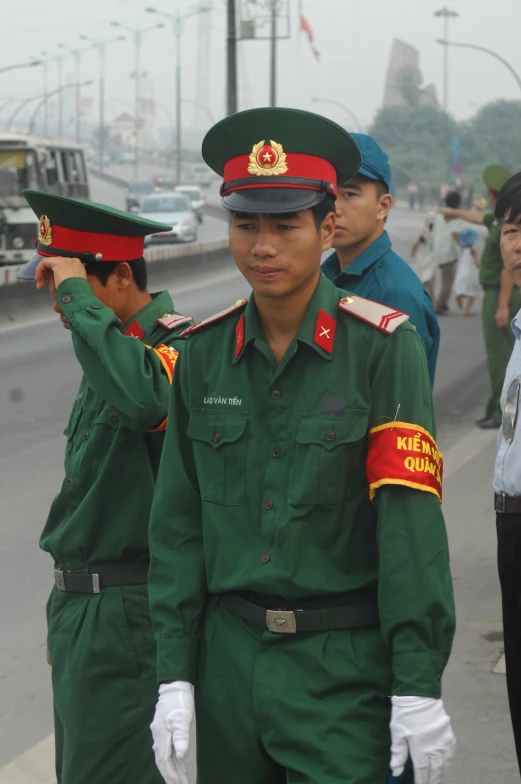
168, 357
403, 454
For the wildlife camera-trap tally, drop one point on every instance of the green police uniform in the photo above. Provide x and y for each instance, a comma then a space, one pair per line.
306, 502
499, 341
99, 632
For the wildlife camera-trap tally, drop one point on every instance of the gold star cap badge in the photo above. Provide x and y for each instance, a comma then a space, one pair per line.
45, 231
267, 159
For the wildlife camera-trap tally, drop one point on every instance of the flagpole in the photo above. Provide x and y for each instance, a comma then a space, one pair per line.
299, 36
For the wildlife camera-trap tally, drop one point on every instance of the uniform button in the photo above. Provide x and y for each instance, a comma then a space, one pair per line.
64, 523
265, 558
276, 453
86, 435
66, 298
276, 394
114, 417
330, 435
269, 504
68, 481
216, 438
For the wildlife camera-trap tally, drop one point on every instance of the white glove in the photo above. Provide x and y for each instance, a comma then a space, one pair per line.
171, 729
420, 727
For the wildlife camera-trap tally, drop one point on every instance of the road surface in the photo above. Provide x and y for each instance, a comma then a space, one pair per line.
38, 380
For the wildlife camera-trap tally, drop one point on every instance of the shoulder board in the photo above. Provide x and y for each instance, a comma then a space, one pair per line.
380, 316
214, 319
173, 320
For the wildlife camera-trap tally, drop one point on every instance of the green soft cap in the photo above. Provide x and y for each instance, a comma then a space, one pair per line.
495, 176
83, 215
297, 131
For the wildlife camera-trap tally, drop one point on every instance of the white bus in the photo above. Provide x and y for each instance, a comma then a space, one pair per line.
31, 161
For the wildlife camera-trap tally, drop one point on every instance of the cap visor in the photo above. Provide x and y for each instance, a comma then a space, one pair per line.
272, 201
27, 271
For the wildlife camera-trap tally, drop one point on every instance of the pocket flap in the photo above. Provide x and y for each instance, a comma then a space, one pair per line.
108, 417
331, 431
216, 427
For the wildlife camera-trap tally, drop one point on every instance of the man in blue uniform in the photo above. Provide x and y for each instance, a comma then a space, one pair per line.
365, 262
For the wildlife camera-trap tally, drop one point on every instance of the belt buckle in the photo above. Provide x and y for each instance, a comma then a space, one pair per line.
281, 621
59, 580
500, 503
95, 583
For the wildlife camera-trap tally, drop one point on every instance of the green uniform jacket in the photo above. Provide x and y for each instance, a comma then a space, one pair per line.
270, 491
491, 261
101, 512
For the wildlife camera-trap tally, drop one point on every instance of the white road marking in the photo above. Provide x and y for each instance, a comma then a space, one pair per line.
501, 667
36, 766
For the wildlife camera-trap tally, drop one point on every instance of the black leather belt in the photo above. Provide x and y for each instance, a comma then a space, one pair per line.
293, 621
101, 576
507, 504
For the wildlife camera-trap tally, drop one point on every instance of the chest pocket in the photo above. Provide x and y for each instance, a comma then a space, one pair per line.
219, 440
330, 452
107, 445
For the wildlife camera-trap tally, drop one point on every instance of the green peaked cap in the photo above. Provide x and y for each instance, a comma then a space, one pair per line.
89, 216
495, 176
297, 131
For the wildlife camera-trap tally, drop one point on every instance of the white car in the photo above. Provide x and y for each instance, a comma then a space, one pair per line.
196, 197
175, 210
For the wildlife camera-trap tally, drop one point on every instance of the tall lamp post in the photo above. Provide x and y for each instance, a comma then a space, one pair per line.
19, 108
20, 65
446, 14
178, 19
137, 33
76, 53
101, 46
514, 73
50, 95
346, 109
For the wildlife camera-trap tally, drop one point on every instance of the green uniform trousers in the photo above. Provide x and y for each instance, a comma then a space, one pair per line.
499, 342
103, 658
311, 708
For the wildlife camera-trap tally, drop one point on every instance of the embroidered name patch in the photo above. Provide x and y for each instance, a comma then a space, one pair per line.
401, 453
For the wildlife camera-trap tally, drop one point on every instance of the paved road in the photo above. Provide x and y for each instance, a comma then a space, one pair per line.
38, 379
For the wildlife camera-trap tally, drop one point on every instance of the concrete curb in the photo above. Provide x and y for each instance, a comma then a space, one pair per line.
35, 766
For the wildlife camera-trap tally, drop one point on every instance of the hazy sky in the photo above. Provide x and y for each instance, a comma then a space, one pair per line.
354, 38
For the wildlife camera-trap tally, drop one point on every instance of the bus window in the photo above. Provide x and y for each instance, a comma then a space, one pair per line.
52, 170
17, 171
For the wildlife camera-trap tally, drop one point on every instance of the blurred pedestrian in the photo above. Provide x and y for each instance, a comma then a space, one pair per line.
466, 282
445, 250
412, 192
501, 300
422, 194
507, 476
421, 252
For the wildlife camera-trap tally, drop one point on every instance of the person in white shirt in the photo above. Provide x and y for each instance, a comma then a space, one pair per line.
445, 250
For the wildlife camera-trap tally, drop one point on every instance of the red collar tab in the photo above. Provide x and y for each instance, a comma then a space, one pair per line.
239, 336
268, 164
214, 319
134, 331
325, 331
110, 247
380, 316
173, 320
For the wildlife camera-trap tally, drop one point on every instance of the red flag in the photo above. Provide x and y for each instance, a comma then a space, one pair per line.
306, 28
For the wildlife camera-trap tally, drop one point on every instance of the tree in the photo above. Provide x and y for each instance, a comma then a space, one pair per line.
498, 126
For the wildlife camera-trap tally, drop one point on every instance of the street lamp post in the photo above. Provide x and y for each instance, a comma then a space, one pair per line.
346, 109
138, 33
19, 108
50, 95
101, 46
76, 53
178, 19
446, 14
514, 73
20, 65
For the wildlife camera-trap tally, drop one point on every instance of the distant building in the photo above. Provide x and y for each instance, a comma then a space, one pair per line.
404, 79
121, 130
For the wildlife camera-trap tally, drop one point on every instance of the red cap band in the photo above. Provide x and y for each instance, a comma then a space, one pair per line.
309, 167
112, 247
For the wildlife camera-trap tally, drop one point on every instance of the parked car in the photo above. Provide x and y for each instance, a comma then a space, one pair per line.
136, 192
197, 200
202, 174
172, 208
165, 181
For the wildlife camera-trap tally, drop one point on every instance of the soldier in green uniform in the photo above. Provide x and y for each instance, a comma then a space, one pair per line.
299, 562
100, 640
501, 300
